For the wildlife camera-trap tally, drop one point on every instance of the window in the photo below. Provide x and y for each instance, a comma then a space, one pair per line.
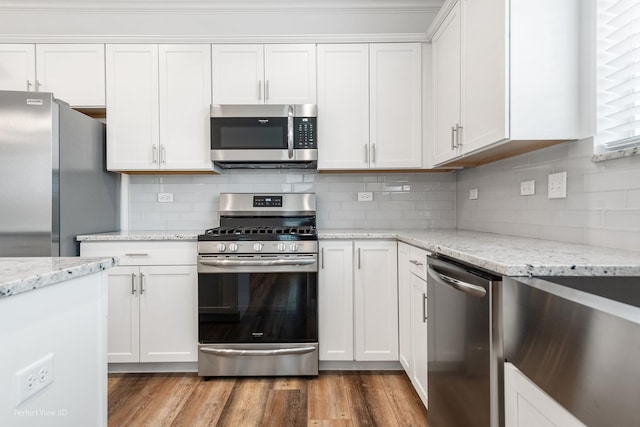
618, 74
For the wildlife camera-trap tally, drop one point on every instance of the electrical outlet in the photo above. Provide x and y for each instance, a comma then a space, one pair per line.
557, 185
528, 188
365, 196
33, 378
473, 194
165, 197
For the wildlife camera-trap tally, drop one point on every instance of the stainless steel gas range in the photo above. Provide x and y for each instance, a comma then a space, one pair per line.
257, 287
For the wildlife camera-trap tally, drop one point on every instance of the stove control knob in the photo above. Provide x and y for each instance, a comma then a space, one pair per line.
233, 247
221, 247
282, 247
258, 247
294, 247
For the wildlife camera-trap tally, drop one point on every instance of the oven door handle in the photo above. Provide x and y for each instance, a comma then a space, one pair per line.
261, 263
279, 351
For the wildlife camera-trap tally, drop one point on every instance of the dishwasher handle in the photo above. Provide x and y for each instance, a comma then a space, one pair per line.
467, 288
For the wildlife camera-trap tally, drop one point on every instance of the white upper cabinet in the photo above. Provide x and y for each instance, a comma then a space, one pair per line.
396, 101
505, 79
185, 99
72, 72
264, 74
343, 101
369, 103
18, 67
158, 99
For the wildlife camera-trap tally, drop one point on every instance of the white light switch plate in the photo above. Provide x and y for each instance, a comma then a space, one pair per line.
558, 185
165, 197
528, 188
365, 196
473, 194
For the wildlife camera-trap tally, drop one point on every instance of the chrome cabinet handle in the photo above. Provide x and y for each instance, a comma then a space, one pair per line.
359, 259
141, 283
366, 153
322, 258
133, 283
266, 90
38, 86
453, 144
290, 132
155, 153
416, 262
163, 155
458, 141
424, 308
29, 84
373, 153
259, 89
137, 254
279, 351
467, 288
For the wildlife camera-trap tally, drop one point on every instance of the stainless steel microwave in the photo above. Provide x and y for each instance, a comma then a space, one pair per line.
264, 136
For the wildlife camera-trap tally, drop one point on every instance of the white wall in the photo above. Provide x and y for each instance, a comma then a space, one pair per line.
400, 200
68, 319
602, 207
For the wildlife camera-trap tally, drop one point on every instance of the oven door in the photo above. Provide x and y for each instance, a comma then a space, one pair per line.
257, 315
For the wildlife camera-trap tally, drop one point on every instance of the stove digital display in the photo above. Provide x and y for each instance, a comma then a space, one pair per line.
267, 201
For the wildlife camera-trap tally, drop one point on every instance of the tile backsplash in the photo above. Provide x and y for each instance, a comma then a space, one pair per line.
400, 200
602, 207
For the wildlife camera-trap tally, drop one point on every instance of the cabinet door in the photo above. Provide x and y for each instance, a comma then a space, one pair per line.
17, 67
185, 97
527, 405
132, 107
168, 314
290, 73
123, 343
404, 307
376, 300
419, 336
446, 86
343, 98
73, 72
485, 74
396, 105
238, 73
335, 300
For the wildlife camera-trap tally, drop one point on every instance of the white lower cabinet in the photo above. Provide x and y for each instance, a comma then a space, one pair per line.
358, 305
152, 304
412, 303
527, 405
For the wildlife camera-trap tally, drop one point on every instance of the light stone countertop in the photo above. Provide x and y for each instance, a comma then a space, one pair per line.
143, 235
501, 254
18, 275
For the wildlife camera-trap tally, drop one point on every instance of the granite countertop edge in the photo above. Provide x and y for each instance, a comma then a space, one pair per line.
501, 254
20, 275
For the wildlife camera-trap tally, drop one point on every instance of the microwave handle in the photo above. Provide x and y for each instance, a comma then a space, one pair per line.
290, 132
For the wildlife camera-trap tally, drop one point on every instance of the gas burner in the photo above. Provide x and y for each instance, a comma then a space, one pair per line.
305, 232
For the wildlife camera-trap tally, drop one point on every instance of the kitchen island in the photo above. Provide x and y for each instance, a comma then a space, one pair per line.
53, 336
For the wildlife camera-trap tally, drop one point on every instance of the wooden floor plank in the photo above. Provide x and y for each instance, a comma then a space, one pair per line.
246, 403
206, 403
333, 399
327, 398
405, 402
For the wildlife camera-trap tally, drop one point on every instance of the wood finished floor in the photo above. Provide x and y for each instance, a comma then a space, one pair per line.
345, 398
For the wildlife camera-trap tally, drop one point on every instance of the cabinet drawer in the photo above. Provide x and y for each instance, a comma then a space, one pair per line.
143, 253
418, 262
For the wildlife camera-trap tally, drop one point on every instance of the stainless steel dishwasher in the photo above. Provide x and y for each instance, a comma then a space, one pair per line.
465, 360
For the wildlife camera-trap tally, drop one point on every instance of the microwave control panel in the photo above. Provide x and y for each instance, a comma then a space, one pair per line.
305, 132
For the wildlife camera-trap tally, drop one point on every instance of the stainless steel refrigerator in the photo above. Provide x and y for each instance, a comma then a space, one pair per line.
53, 181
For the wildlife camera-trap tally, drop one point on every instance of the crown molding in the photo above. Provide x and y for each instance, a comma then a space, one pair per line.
163, 38
290, 6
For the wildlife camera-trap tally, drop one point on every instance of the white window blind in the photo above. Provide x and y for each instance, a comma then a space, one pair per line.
618, 62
